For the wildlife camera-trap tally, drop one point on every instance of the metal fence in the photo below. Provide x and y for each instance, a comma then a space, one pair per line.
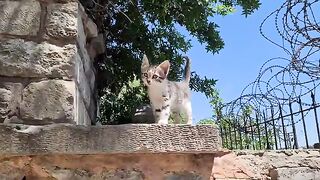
279, 110
292, 126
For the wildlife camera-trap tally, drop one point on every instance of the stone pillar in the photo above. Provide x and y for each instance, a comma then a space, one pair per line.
46, 62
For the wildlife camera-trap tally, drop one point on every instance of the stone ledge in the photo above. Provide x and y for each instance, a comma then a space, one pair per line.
129, 138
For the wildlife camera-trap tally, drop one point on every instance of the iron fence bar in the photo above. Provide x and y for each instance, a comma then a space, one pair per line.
308, 109
240, 136
255, 128
274, 128
230, 136
293, 127
235, 135
280, 145
221, 134
295, 113
283, 128
266, 130
245, 133
258, 128
315, 114
251, 128
303, 123
225, 141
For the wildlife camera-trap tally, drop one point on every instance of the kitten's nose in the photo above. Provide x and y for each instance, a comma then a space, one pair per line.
148, 81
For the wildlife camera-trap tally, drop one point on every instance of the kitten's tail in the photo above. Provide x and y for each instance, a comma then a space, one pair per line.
187, 72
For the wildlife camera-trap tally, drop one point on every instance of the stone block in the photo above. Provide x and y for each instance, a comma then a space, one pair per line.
87, 65
229, 166
85, 89
92, 110
82, 82
20, 17
96, 46
81, 110
293, 164
134, 166
61, 23
120, 174
297, 173
81, 36
19, 58
129, 138
89, 27
50, 101
90, 75
10, 96
184, 175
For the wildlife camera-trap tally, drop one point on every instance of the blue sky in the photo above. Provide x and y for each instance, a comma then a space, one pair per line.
238, 63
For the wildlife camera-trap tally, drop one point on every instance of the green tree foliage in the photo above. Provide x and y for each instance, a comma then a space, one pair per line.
207, 121
135, 27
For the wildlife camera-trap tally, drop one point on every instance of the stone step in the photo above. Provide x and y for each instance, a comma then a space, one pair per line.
129, 138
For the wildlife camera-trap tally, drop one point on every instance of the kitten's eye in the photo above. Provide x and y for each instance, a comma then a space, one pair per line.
154, 77
145, 74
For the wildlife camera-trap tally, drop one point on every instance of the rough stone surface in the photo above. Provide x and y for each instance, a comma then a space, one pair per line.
81, 36
183, 176
96, 46
82, 114
20, 17
85, 92
230, 166
21, 58
134, 166
82, 82
48, 102
10, 96
59, 138
42, 40
87, 64
281, 164
62, 20
295, 173
89, 27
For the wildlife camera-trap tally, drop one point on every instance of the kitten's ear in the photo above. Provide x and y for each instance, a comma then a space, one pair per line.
145, 63
164, 67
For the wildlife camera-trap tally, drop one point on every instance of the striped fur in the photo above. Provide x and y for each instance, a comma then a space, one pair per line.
167, 97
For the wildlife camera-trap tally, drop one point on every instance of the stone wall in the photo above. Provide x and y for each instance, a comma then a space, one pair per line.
122, 152
47, 49
141, 152
300, 164
138, 166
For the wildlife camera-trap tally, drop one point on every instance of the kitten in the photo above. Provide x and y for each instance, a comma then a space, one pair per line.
167, 97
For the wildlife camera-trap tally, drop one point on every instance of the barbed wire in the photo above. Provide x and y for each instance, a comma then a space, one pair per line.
284, 80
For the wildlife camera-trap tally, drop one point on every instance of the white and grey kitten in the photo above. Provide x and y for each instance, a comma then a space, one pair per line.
167, 97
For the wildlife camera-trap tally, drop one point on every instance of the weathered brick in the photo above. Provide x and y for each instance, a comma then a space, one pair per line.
82, 82
295, 173
20, 17
10, 96
50, 101
62, 20
21, 58
81, 111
